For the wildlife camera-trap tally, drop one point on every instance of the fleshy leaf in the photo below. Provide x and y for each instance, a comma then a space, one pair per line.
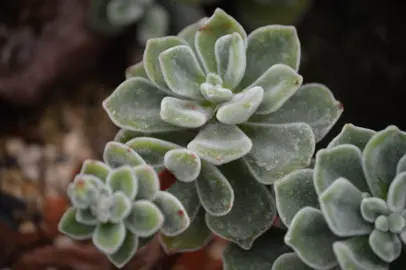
182, 72
185, 113
176, 219
354, 135
189, 32
152, 150
240, 108
396, 223
109, 237
136, 70
184, 164
124, 12
117, 154
401, 167
69, 226
196, 236
95, 168
355, 253
278, 149
215, 192
126, 252
124, 179
260, 257
372, 208
380, 159
311, 239
148, 182
121, 207
145, 218
270, 45
313, 104
386, 245
253, 211
397, 193
219, 143
85, 216
215, 93
340, 161
279, 82
289, 261
218, 25
340, 204
181, 137
231, 59
293, 192
153, 49
187, 195
135, 105
154, 23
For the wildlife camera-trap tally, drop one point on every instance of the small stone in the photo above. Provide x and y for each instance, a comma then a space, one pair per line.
15, 146
27, 227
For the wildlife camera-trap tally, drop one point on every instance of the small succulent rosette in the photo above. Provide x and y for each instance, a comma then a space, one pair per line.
348, 212
240, 95
118, 204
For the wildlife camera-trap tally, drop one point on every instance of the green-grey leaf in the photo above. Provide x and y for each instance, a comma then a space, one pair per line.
145, 218
397, 193
152, 150
85, 216
121, 207
290, 261
123, 179
95, 168
187, 195
354, 135
126, 252
117, 154
311, 239
278, 149
293, 192
340, 204
279, 82
185, 113
196, 236
148, 182
340, 161
154, 24
355, 253
218, 25
380, 159
240, 108
124, 13
270, 45
401, 167
253, 211
219, 143
153, 49
136, 70
109, 237
182, 71
386, 245
69, 226
181, 137
372, 208
189, 32
231, 59
313, 104
261, 256
135, 105
176, 219
215, 192
184, 164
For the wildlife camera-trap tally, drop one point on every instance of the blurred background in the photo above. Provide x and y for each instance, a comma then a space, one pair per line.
60, 58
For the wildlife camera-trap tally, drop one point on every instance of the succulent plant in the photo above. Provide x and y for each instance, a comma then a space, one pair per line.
118, 204
240, 96
350, 210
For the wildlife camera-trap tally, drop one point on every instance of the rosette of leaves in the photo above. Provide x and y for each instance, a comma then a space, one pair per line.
349, 211
118, 204
240, 95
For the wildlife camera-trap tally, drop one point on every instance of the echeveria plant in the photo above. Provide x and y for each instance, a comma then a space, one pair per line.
350, 210
118, 203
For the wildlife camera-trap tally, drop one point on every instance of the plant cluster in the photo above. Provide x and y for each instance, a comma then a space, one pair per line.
227, 117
